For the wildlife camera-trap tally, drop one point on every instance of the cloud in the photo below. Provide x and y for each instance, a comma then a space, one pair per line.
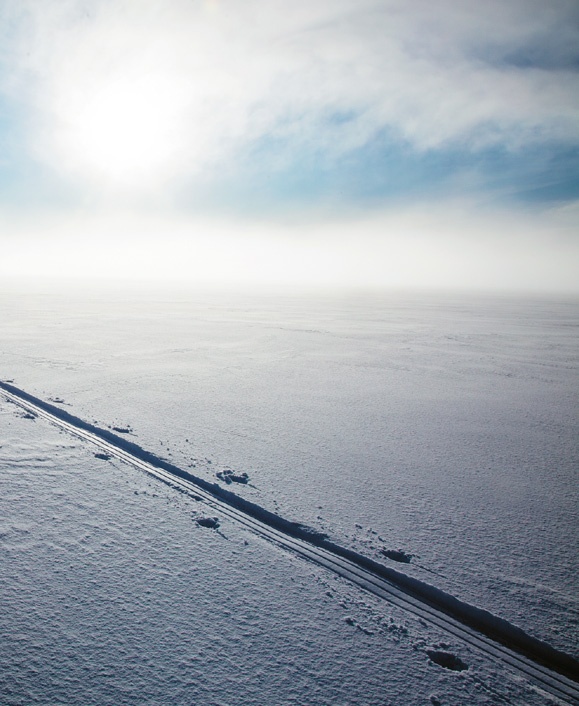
367, 142
326, 77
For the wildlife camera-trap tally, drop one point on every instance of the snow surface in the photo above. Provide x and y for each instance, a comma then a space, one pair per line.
442, 426
111, 593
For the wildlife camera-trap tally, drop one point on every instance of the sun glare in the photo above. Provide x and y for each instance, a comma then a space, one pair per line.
127, 132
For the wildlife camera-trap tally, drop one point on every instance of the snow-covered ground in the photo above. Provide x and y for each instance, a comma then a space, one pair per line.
111, 593
444, 426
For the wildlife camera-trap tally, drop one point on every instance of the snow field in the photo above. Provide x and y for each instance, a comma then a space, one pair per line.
112, 593
442, 426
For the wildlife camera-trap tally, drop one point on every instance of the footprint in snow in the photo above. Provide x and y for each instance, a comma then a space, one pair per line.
229, 476
398, 555
448, 660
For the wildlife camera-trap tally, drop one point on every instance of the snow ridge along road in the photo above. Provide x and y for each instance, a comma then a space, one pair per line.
553, 670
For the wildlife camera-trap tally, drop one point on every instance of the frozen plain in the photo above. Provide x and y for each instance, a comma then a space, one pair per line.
441, 425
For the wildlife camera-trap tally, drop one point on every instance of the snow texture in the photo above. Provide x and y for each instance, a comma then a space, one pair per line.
482, 621
440, 427
113, 592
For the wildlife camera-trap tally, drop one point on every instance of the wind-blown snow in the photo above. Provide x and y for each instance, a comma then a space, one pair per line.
111, 592
443, 427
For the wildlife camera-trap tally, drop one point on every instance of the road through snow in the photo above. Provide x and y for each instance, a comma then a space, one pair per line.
551, 669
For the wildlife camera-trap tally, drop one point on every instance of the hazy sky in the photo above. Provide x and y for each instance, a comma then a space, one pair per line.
390, 142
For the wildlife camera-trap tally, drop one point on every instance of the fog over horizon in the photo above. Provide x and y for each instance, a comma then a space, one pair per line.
337, 144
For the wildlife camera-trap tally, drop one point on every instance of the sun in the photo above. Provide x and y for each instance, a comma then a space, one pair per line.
126, 131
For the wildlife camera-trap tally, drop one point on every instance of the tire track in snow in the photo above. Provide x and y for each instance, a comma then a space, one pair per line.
554, 671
